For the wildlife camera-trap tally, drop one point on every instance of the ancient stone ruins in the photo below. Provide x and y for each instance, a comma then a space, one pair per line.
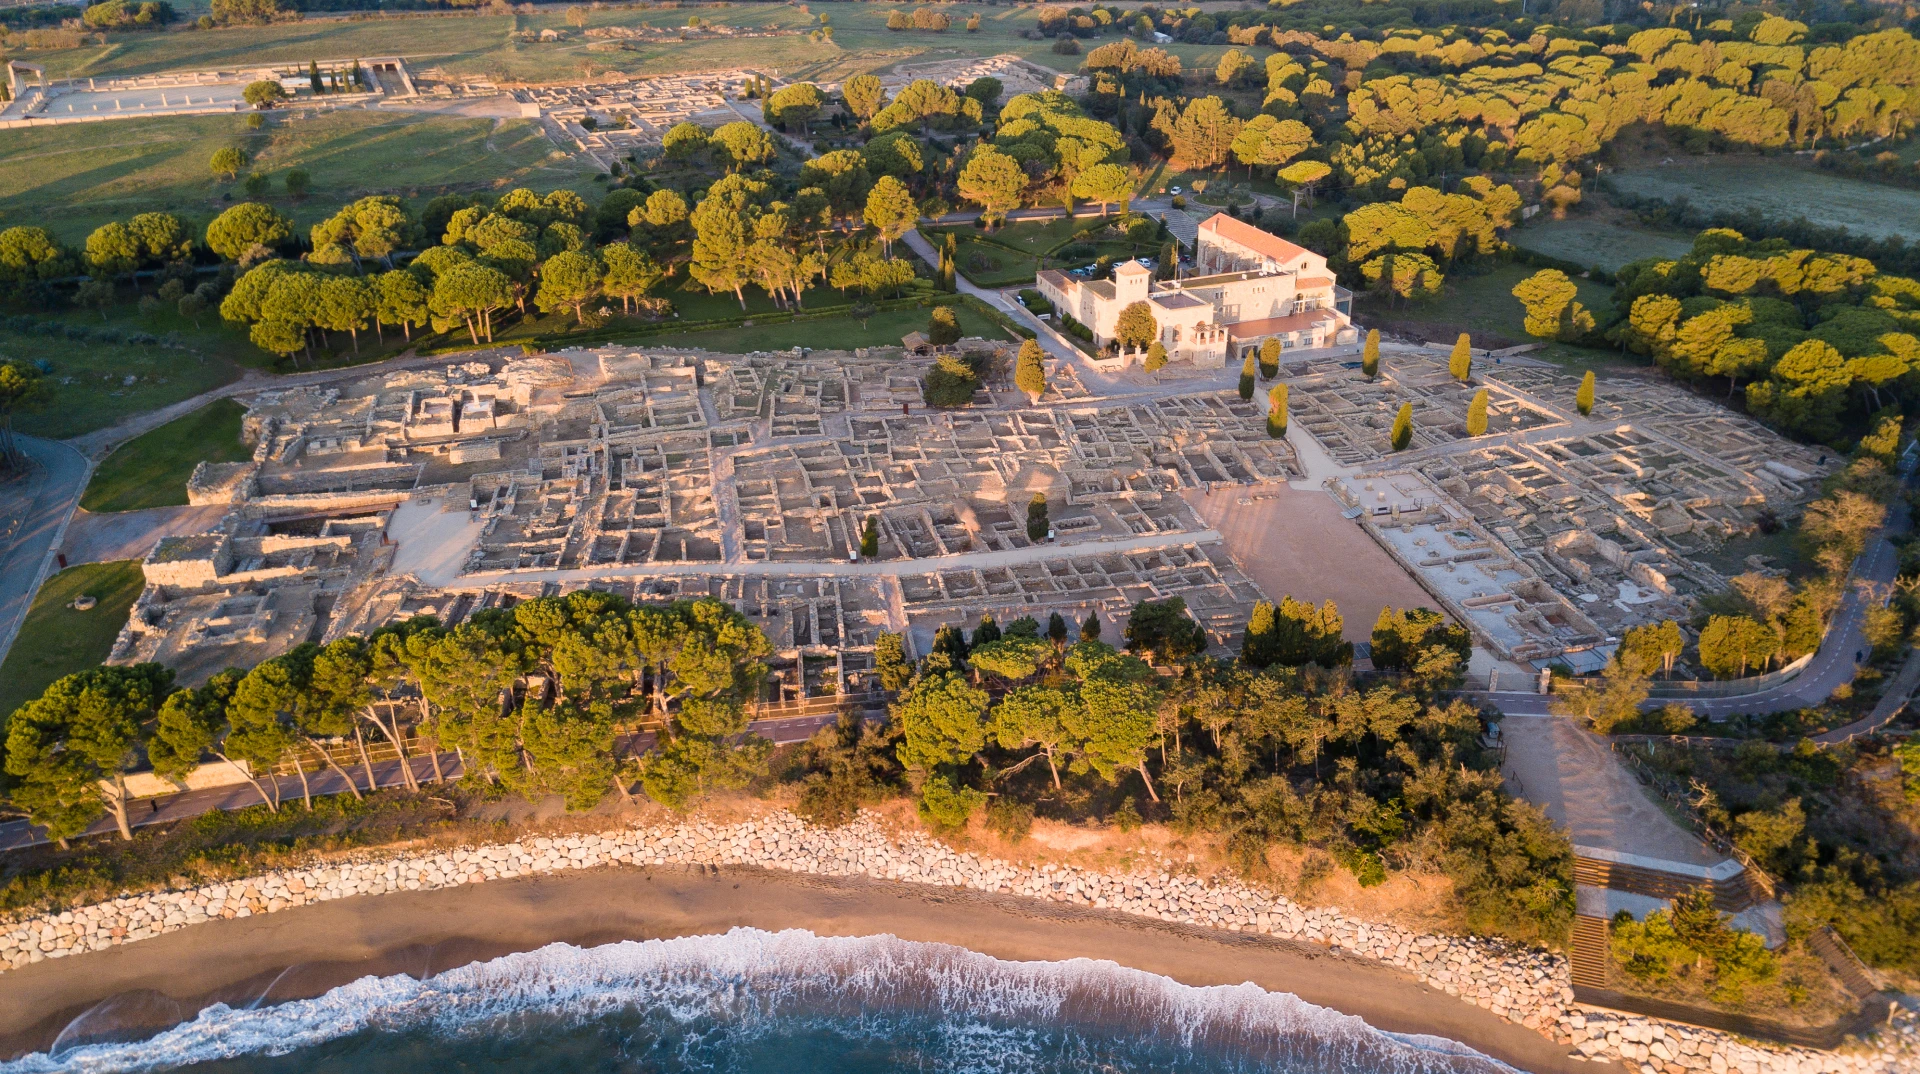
663, 473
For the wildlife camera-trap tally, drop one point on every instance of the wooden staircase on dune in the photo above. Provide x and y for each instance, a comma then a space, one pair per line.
1589, 952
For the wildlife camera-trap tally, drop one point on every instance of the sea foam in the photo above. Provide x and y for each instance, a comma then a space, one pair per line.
749, 977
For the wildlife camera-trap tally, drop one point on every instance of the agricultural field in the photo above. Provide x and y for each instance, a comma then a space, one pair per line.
56, 640
485, 44
1780, 188
73, 178
1599, 242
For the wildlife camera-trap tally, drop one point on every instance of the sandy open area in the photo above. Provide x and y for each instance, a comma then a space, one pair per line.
330, 943
434, 539
1293, 543
101, 538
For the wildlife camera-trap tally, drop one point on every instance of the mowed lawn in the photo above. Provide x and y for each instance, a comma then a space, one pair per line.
1598, 243
56, 641
151, 470
71, 179
1483, 306
883, 329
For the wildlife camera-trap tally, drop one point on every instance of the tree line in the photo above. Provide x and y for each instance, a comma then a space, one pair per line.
530, 698
1284, 744
1824, 343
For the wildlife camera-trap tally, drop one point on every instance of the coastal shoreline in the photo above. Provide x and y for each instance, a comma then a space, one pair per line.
1526, 991
327, 944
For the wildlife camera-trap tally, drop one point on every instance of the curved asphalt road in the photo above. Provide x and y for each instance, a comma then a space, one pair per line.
1834, 664
33, 514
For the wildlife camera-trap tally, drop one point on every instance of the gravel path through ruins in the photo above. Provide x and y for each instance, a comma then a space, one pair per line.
964, 561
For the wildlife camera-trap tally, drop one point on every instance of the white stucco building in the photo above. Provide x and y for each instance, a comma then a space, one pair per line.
1249, 286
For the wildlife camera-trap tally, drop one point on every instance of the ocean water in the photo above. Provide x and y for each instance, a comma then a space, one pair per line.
750, 1001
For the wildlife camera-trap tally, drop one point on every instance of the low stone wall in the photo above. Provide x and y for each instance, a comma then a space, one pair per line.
1531, 988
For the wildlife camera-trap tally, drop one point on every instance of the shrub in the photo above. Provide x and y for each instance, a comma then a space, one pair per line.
945, 806
1009, 818
953, 380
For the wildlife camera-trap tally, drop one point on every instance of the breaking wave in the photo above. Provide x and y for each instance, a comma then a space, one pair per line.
790, 1001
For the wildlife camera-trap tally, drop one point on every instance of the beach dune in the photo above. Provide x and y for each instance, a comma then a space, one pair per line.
303, 952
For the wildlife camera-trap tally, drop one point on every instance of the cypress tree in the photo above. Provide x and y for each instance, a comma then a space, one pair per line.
1090, 630
1056, 629
1583, 398
988, 631
870, 539
1370, 356
1460, 362
1246, 378
1277, 411
313, 77
1477, 414
1156, 357
1402, 427
1030, 371
1270, 359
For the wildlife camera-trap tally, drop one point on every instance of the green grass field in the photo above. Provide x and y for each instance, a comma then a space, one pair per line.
1599, 243
152, 470
71, 179
55, 640
484, 44
1484, 307
992, 266
883, 329
88, 380
1781, 188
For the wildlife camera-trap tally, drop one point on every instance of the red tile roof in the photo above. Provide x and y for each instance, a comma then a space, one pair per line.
1265, 243
1273, 326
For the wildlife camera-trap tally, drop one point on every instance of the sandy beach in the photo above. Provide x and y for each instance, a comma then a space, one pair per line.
305, 951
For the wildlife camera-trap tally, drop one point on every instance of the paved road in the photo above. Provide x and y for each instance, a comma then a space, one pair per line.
1891, 704
1841, 652
18, 834
34, 512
